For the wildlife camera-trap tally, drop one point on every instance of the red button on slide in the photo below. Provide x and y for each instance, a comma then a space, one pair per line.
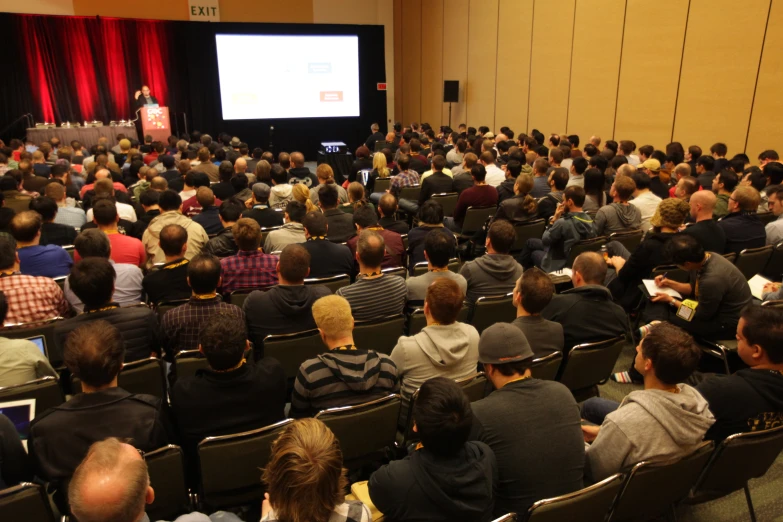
331, 96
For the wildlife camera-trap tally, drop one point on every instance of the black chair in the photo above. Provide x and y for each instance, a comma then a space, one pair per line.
474, 386
731, 256
766, 217
25, 502
142, 376
411, 193
653, 488
448, 201
752, 261
774, 267
70, 249
333, 283
382, 184
475, 217
46, 391
417, 321
165, 306
380, 335
238, 297
630, 239
38, 328
231, 466
60, 281
547, 367
585, 245
421, 267
589, 364
366, 431
492, 309
533, 229
396, 270
511, 517
188, 362
166, 467
736, 460
775, 303
291, 350
719, 350
591, 504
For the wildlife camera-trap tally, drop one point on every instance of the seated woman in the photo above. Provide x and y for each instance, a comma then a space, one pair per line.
521, 207
380, 170
595, 197
302, 194
305, 479
355, 198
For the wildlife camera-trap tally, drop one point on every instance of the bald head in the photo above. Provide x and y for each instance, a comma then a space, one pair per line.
390, 137
240, 165
702, 205
626, 170
111, 484
102, 174
589, 269
297, 159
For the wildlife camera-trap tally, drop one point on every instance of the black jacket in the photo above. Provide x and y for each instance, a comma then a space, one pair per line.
340, 225
395, 225
302, 175
462, 181
743, 230
709, 234
513, 209
266, 217
57, 234
506, 189
138, 228
328, 259
167, 283
375, 136
648, 255
141, 101
658, 187
427, 488
547, 205
435, 183
222, 245
416, 238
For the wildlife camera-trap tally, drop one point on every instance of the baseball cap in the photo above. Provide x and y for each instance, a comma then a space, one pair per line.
261, 191
503, 343
652, 164
489, 135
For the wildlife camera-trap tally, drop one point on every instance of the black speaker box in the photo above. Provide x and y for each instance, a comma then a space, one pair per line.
450, 91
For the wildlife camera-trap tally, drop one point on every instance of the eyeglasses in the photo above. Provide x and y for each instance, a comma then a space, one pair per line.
141, 452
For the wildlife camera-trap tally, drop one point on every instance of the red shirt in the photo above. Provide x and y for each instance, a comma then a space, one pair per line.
149, 158
124, 249
117, 186
191, 207
475, 196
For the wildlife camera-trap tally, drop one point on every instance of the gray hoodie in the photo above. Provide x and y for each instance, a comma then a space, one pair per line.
280, 195
652, 425
491, 274
616, 217
437, 351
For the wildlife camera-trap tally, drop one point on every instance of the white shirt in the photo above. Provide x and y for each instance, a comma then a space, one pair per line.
576, 179
429, 173
495, 176
646, 202
127, 286
187, 194
566, 163
633, 159
775, 231
124, 210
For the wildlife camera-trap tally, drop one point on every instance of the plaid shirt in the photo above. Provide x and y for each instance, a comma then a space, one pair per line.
180, 326
407, 178
248, 270
32, 299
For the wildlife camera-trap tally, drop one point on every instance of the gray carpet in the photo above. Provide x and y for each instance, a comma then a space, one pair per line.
767, 492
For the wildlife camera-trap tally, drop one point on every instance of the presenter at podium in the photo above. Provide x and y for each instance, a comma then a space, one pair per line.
143, 97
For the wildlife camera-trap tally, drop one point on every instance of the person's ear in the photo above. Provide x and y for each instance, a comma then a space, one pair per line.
356, 255
149, 498
415, 428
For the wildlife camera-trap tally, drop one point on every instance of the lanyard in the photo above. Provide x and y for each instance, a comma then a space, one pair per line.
204, 297
698, 276
176, 265
102, 309
313, 238
345, 347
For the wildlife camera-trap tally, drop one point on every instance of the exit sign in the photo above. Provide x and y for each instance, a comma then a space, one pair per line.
204, 10
381, 86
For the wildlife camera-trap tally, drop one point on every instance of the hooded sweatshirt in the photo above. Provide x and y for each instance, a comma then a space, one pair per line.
616, 217
651, 425
197, 236
748, 400
449, 351
561, 236
280, 195
425, 487
491, 274
342, 377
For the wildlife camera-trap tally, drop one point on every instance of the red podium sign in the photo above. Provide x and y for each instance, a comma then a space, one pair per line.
155, 122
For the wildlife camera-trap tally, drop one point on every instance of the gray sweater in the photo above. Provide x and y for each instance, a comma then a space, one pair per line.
616, 217
491, 274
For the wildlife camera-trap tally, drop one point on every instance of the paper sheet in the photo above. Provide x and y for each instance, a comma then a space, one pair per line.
653, 289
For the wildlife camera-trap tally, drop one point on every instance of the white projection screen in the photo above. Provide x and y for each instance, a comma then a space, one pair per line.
287, 76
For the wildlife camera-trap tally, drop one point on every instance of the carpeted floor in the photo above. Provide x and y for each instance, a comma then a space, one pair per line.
767, 492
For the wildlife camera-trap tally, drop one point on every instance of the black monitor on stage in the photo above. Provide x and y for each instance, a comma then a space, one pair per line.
336, 155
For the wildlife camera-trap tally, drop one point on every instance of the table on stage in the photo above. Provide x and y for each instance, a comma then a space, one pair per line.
340, 163
87, 136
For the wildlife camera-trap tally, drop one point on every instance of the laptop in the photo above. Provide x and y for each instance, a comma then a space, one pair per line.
40, 342
21, 414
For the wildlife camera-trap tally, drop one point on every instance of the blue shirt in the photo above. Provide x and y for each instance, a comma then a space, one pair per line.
44, 261
210, 220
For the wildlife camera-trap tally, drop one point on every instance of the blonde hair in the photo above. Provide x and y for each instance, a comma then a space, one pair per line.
263, 171
356, 192
324, 171
305, 478
332, 314
302, 194
379, 164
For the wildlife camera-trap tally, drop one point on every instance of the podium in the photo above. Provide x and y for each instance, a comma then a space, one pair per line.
155, 122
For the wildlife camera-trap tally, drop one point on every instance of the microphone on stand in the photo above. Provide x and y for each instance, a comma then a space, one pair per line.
271, 138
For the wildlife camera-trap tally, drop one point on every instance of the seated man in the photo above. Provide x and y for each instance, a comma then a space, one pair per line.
430, 219
223, 244
124, 249
287, 306
291, 232
169, 203
327, 259
444, 347
210, 206
587, 312
443, 419
30, 299
532, 293
346, 374
643, 198
250, 267
716, 285
36, 259
180, 326
259, 207
374, 295
752, 398
128, 281
620, 215
60, 437
569, 226
477, 196
387, 208
52, 233
169, 282
438, 249
341, 227
531, 425
705, 229
92, 280
232, 395
742, 227
496, 272
666, 420
365, 218
20, 360
774, 229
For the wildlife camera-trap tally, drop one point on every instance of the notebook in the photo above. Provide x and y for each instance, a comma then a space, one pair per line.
756, 284
652, 289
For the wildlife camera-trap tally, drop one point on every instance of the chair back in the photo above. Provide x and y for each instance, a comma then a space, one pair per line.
70, 249
421, 267
585, 245
396, 270
473, 386
143, 376
653, 487
448, 201
188, 362
736, 460
475, 217
752, 261
60, 281
766, 217
231, 466
238, 297
166, 467
46, 391
291, 350
547, 367
528, 230
417, 321
365, 431
589, 364
380, 335
44, 328
25, 502
774, 266
630, 239
165, 306
333, 283
591, 504
411, 193
672, 272
731, 256
382, 184
492, 309
511, 517
776, 303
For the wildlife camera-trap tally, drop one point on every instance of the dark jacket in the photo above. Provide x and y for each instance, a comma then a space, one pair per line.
587, 314
340, 225
280, 310
506, 189
515, 210
375, 136
395, 225
141, 101
137, 229
428, 488
435, 183
223, 190
571, 228
416, 238
265, 216
743, 230
15, 466
57, 234
210, 220
649, 254
547, 205
167, 283
302, 175
709, 234
462, 181
222, 245
658, 187
328, 259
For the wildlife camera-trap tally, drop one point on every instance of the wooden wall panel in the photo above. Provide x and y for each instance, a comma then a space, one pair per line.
482, 62
766, 131
398, 87
411, 61
553, 25
513, 64
455, 56
595, 67
719, 72
432, 62
645, 102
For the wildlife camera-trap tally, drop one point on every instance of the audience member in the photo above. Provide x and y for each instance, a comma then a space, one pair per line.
259, 208
104, 189
479, 195
327, 259
148, 200
36, 259
250, 268
620, 215
206, 166
686, 187
365, 218
325, 176
742, 226
644, 199
547, 205
52, 233
21, 361
282, 191
169, 206
438, 249
291, 232
703, 166
387, 208
124, 249
723, 185
223, 189
430, 219
519, 207
169, 282
532, 293
71, 216
705, 229
209, 217
341, 227
463, 178
774, 229
496, 272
